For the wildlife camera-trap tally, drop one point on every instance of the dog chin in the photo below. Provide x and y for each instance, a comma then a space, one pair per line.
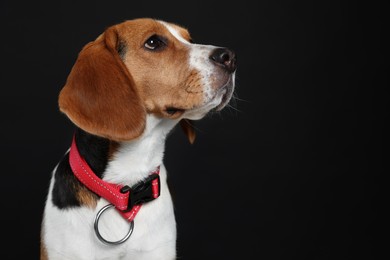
227, 95
216, 104
227, 92
198, 113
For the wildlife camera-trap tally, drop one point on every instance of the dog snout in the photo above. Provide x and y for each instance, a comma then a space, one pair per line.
225, 58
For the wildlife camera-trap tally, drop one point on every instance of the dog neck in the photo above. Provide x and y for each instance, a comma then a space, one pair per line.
134, 160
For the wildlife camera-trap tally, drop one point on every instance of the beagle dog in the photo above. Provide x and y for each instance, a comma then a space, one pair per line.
108, 197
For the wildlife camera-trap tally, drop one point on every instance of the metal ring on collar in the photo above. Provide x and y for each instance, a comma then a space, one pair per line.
96, 227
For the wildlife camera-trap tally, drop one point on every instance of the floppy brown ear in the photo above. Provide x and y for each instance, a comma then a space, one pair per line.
189, 131
99, 95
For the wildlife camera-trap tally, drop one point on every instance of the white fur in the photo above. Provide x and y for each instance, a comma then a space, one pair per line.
154, 235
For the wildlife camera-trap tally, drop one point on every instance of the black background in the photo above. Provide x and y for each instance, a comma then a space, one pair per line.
289, 171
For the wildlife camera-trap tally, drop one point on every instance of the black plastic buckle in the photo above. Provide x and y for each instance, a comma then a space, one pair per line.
141, 192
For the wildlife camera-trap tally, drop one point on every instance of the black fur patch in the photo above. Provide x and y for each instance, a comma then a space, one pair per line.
94, 150
121, 49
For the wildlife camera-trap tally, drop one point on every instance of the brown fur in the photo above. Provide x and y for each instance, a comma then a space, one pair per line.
86, 197
109, 95
163, 78
43, 255
188, 129
43, 251
99, 92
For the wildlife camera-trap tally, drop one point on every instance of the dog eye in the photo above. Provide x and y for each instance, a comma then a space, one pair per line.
155, 42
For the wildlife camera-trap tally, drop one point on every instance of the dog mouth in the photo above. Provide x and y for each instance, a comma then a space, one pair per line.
216, 103
173, 112
227, 92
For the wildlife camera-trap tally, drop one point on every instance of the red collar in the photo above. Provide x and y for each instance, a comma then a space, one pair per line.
128, 201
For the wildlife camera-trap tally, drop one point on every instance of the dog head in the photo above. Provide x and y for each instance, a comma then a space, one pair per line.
145, 66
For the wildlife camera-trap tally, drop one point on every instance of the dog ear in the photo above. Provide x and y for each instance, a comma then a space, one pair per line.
99, 95
189, 131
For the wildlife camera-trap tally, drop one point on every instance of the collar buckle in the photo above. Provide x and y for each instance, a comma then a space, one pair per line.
144, 191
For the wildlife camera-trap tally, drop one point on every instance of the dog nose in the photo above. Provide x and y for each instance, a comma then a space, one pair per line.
225, 58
